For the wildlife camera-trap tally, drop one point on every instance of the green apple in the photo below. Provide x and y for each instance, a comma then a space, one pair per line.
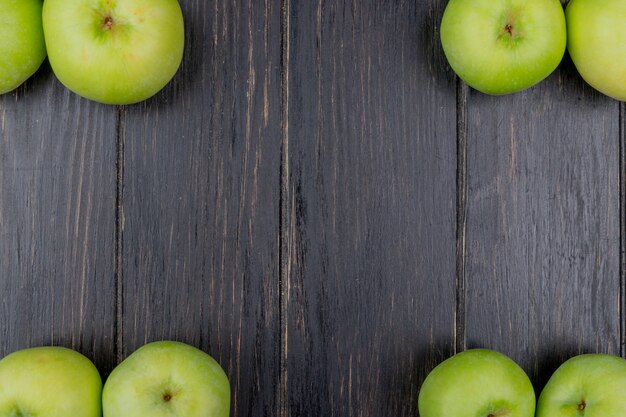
167, 379
596, 41
114, 51
503, 46
49, 382
477, 383
586, 386
22, 46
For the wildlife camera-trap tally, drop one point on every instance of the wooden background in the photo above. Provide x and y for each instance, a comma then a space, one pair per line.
319, 203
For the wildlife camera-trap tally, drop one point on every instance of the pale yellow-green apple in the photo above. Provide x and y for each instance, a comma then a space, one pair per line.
114, 51
592, 385
596, 41
503, 46
477, 383
22, 47
49, 382
167, 379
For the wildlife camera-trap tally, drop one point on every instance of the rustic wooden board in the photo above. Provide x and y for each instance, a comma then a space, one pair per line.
543, 224
369, 206
57, 221
200, 203
622, 183
316, 202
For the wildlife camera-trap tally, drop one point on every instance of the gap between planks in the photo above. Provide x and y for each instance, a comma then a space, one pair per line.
461, 214
119, 226
284, 219
622, 218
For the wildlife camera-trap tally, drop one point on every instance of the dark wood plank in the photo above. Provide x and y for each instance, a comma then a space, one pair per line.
201, 200
370, 275
543, 223
57, 221
622, 182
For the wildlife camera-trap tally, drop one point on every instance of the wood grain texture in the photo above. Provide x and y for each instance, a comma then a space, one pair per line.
200, 203
57, 221
622, 182
316, 202
370, 236
542, 277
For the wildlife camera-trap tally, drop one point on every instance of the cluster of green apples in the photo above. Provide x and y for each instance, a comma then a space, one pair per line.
504, 46
485, 383
110, 51
160, 379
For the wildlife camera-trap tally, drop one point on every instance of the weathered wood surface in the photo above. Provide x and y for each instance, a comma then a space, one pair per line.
317, 202
370, 206
542, 239
200, 204
57, 221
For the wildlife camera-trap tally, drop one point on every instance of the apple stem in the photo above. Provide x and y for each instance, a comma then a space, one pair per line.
107, 23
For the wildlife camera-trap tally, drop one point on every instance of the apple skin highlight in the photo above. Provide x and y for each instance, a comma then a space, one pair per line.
477, 383
596, 41
22, 46
49, 382
503, 46
592, 385
167, 379
114, 51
